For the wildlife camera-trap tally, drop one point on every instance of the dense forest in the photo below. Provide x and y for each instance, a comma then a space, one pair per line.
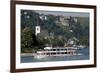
55, 30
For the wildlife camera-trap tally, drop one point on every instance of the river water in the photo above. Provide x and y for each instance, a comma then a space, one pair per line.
84, 56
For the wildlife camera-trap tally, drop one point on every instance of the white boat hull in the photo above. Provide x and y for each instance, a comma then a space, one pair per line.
44, 56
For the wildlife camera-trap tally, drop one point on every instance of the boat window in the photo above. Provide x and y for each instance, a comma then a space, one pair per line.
58, 49
54, 49
54, 53
58, 52
62, 53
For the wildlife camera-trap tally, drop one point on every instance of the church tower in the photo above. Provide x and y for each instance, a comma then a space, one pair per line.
37, 30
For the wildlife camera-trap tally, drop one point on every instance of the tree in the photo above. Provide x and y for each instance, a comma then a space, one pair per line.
26, 38
29, 19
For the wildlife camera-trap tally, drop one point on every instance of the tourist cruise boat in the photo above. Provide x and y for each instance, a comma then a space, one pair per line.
58, 51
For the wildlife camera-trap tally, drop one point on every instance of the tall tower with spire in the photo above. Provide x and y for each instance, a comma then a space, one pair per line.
37, 27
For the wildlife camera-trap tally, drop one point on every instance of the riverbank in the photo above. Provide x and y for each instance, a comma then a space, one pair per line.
27, 54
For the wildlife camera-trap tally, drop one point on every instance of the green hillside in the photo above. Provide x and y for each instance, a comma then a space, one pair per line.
53, 33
